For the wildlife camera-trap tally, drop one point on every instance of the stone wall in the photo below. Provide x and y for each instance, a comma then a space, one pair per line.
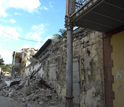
88, 48
88, 84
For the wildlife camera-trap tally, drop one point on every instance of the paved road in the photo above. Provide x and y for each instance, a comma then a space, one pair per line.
8, 102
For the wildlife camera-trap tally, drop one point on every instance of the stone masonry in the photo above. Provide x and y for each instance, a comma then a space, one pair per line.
88, 75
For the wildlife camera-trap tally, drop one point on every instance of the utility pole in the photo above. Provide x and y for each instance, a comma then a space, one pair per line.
69, 68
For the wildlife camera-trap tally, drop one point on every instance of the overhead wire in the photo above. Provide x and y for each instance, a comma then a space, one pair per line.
20, 37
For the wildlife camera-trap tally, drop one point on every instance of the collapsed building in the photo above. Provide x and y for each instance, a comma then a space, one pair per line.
21, 59
49, 63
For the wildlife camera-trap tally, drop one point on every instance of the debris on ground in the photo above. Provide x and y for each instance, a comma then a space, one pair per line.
30, 91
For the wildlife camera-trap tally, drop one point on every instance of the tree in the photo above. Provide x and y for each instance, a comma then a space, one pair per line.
1, 61
63, 33
56, 36
6, 67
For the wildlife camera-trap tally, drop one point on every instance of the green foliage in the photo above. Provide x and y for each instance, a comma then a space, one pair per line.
1, 61
6, 67
56, 36
63, 33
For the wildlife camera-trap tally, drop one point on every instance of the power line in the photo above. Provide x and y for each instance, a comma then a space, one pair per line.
19, 37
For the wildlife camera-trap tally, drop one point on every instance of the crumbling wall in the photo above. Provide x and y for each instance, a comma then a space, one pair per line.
88, 84
34, 67
88, 48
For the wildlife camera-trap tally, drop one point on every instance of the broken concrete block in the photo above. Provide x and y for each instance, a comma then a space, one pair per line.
11, 93
41, 102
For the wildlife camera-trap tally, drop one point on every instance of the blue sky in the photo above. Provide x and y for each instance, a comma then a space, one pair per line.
36, 20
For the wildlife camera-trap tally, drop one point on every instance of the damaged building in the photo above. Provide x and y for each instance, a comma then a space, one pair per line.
49, 63
106, 16
21, 59
97, 78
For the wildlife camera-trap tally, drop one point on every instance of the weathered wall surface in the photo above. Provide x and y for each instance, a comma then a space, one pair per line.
88, 84
88, 49
34, 67
117, 42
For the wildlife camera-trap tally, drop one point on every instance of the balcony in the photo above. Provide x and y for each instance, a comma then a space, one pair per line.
99, 15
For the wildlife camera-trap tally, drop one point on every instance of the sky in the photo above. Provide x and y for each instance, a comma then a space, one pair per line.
28, 24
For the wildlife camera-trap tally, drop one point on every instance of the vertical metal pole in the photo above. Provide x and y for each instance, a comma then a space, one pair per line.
69, 68
69, 71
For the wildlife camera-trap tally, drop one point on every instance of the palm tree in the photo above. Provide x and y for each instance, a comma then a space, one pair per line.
56, 36
63, 33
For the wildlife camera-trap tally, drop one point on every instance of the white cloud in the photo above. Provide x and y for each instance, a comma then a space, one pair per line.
39, 28
12, 21
3, 20
17, 13
44, 8
27, 5
36, 32
50, 4
7, 56
25, 46
9, 32
19, 29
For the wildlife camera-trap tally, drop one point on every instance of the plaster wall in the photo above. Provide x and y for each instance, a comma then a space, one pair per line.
27, 71
88, 48
34, 67
52, 75
117, 55
88, 76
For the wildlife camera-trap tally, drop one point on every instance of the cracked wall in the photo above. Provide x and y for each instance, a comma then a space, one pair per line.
88, 85
88, 48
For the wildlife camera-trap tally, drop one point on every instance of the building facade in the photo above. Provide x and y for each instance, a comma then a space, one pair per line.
106, 16
21, 59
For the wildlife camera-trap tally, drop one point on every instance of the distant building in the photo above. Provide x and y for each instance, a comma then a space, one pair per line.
21, 59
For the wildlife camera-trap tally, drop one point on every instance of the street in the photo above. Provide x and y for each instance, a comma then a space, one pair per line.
8, 102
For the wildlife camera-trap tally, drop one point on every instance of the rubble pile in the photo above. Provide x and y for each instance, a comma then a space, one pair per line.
31, 91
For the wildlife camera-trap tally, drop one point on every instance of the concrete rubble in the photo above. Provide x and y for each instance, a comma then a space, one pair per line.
30, 92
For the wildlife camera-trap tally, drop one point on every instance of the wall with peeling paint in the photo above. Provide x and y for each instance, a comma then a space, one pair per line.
88, 84
117, 55
88, 48
34, 67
